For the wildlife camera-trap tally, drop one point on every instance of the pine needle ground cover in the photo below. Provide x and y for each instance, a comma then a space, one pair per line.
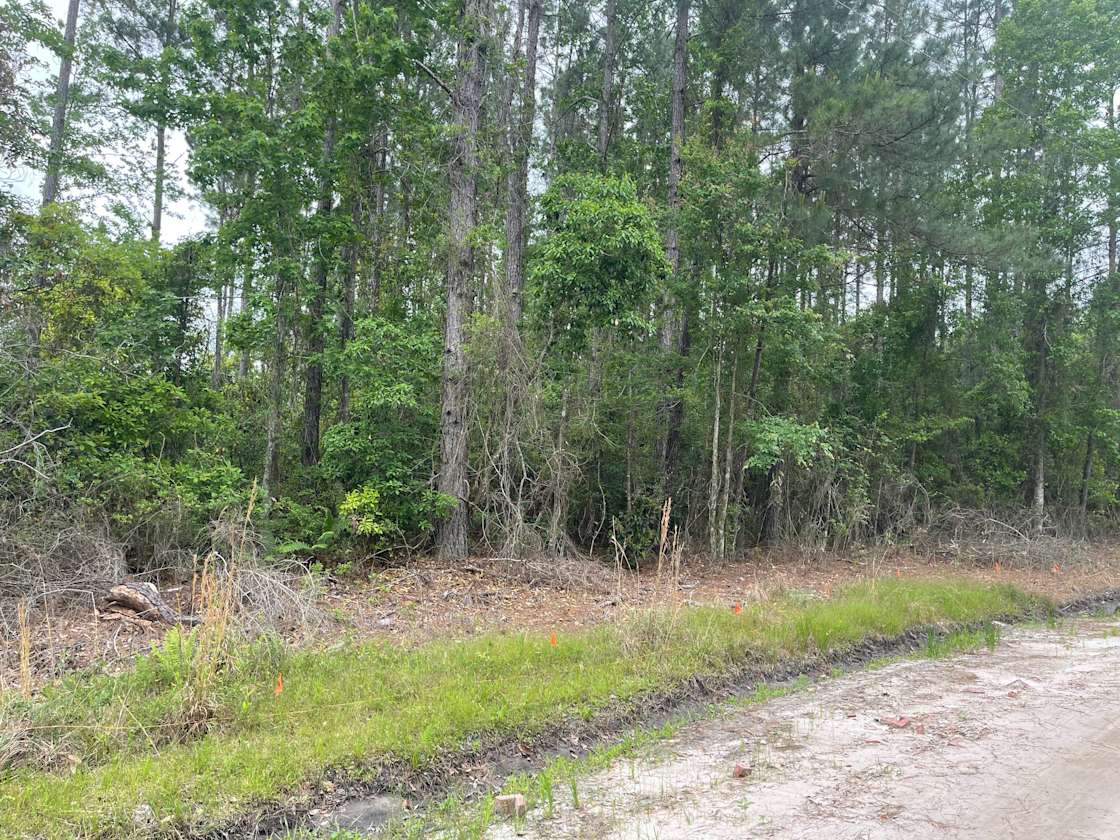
191, 742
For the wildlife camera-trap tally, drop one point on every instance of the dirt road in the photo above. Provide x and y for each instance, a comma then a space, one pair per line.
1018, 743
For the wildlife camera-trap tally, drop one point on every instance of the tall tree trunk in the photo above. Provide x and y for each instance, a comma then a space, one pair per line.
674, 341
1113, 187
517, 182
242, 310
271, 480
775, 504
219, 325
1039, 496
713, 483
557, 539
511, 296
725, 484
61, 101
1086, 475
161, 167
376, 240
246, 291
997, 19
880, 279
166, 38
1040, 342
346, 316
451, 535
317, 337
607, 89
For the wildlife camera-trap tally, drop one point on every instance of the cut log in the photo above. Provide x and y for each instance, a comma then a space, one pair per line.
144, 599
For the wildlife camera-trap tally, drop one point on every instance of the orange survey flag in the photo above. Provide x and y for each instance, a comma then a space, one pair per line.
737, 609
279, 684
553, 640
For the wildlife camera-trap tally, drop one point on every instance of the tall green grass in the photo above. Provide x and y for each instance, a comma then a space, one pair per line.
354, 709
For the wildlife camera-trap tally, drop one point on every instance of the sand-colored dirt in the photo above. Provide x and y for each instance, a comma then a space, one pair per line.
1018, 743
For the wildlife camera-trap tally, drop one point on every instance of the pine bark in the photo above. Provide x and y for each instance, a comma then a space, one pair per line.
451, 534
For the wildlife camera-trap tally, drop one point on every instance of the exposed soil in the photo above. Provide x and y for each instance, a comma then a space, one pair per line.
426, 599
1018, 742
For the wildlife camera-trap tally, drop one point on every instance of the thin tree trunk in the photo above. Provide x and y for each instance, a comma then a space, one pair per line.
713, 483
379, 197
451, 535
216, 370
775, 504
271, 479
157, 199
161, 130
1039, 502
631, 436
511, 295
521, 137
243, 309
725, 485
1086, 475
880, 273
346, 316
672, 410
997, 19
606, 91
317, 338
1112, 199
556, 537
61, 101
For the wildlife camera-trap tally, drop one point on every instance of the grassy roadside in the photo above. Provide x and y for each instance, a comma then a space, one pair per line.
143, 739
467, 819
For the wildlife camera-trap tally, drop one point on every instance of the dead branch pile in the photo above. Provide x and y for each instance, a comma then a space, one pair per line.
54, 556
1012, 538
558, 572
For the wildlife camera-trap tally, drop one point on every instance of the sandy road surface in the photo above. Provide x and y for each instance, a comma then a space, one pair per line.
1019, 743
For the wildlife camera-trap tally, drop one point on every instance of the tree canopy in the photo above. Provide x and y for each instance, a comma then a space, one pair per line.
511, 277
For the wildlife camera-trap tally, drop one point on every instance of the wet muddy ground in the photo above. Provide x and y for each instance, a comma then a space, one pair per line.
1018, 742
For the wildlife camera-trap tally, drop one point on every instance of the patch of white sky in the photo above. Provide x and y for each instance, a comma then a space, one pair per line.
183, 214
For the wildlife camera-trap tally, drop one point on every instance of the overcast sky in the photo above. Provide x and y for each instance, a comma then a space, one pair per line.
181, 218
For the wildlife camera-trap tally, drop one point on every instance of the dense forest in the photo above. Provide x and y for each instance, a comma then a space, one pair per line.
544, 278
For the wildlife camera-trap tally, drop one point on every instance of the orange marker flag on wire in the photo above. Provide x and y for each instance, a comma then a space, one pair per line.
279, 684
553, 640
737, 609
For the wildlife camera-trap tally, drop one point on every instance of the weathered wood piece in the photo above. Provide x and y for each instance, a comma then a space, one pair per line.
144, 599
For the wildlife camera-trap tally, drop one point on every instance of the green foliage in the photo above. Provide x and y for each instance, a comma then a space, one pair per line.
774, 439
361, 706
600, 263
892, 298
